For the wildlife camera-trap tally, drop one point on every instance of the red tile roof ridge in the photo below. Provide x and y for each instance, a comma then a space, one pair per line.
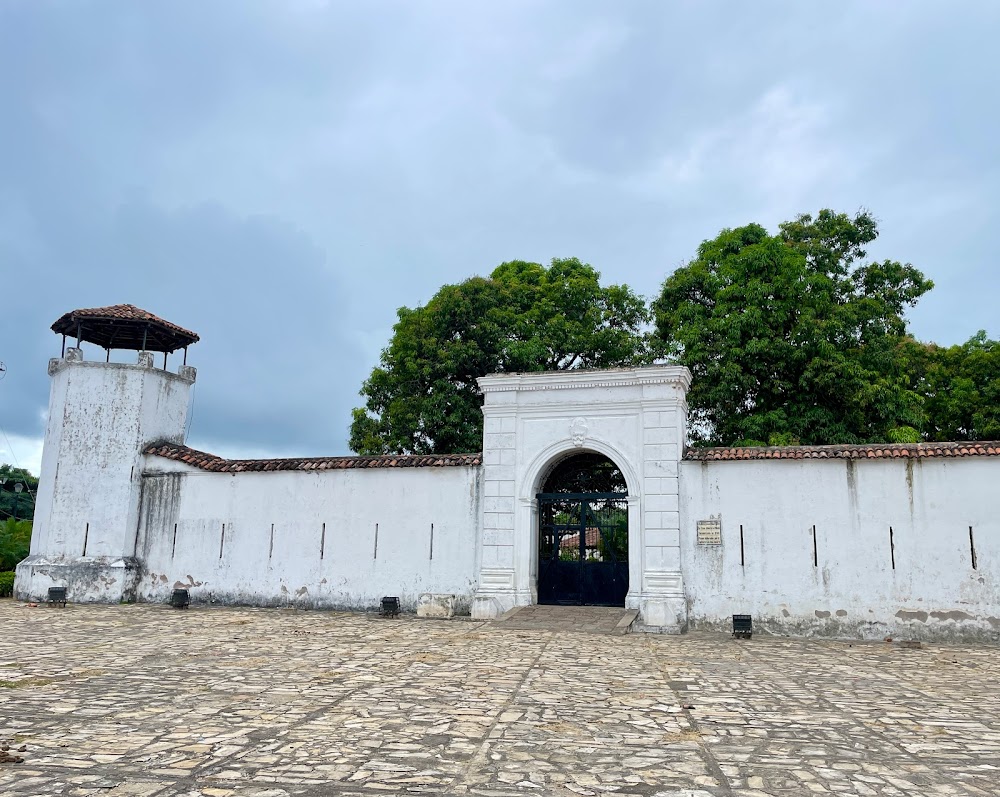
977, 448
210, 462
121, 312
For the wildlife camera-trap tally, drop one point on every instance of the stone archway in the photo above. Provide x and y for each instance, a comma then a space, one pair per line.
634, 416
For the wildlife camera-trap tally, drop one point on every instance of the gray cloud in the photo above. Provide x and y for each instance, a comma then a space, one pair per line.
281, 176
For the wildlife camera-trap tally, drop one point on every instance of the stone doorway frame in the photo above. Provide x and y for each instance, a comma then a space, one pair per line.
637, 417
543, 476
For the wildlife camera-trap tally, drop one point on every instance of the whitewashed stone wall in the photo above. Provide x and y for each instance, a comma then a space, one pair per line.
806, 546
919, 582
331, 539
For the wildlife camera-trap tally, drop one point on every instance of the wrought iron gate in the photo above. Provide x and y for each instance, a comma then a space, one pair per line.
583, 548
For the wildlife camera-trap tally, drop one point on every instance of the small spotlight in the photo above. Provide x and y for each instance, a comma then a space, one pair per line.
742, 626
180, 599
57, 595
390, 607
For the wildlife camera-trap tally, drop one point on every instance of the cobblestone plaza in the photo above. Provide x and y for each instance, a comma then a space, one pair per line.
143, 700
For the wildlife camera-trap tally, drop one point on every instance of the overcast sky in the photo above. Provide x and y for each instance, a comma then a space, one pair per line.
281, 176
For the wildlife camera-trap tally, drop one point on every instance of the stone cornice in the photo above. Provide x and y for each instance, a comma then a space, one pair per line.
675, 375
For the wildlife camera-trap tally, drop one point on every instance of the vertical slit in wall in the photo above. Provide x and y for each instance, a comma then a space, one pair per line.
86, 534
270, 545
432, 541
972, 549
173, 543
815, 551
375, 552
892, 548
743, 561
322, 542
222, 540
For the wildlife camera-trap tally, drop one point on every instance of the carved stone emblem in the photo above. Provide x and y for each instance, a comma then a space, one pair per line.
578, 431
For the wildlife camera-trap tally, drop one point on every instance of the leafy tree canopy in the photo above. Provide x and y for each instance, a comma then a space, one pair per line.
423, 397
960, 388
15, 540
10, 501
792, 338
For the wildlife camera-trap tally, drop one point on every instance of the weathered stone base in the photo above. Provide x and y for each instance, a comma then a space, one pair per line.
436, 606
489, 607
662, 614
87, 580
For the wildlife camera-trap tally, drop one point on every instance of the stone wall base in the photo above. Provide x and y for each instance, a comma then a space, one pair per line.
87, 579
663, 614
431, 604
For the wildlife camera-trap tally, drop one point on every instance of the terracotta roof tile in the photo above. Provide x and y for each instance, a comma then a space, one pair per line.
124, 326
870, 451
210, 462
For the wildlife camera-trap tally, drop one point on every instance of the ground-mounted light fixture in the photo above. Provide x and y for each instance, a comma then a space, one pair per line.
742, 626
180, 599
390, 607
57, 596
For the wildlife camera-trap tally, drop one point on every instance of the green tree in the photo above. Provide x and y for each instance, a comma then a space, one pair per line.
960, 387
10, 499
15, 540
790, 338
423, 397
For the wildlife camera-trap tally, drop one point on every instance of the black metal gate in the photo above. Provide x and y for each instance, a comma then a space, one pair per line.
583, 548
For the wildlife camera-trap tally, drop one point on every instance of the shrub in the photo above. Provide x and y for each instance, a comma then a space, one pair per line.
15, 542
6, 585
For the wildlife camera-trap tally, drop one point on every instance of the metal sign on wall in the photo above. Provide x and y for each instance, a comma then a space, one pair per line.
710, 532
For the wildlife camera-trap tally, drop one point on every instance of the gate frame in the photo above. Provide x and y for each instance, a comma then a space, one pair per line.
637, 417
585, 499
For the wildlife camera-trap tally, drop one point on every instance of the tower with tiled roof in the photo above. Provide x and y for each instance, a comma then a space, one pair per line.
102, 415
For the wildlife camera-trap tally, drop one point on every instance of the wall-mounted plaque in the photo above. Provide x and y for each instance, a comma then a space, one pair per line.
710, 532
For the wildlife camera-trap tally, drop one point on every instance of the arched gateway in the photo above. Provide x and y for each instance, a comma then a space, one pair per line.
535, 424
583, 533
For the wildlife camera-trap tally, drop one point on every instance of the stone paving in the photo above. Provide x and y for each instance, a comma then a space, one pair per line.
143, 700
585, 619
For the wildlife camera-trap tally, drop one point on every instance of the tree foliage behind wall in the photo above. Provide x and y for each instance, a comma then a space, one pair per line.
423, 397
10, 500
15, 540
959, 387
792, 338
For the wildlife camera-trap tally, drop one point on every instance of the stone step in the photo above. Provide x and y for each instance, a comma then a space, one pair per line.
604, 620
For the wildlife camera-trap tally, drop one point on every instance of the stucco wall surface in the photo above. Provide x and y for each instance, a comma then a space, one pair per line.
860, 580
334, 539
101, 415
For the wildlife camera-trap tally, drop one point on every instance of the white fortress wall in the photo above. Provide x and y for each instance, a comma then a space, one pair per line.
920, 581
338, 538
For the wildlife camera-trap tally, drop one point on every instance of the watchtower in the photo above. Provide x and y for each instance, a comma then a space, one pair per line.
101, 417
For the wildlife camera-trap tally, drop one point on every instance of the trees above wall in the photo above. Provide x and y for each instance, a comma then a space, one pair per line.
423, 397
791, 338
13, 502
15, 534
959, 387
